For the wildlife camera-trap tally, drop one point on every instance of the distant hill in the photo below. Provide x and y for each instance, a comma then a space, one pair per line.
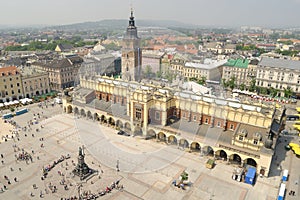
122, 24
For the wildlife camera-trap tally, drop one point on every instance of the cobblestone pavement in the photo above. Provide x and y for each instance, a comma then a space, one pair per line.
147, 168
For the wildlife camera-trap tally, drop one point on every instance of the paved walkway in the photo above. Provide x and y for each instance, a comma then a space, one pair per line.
147, 168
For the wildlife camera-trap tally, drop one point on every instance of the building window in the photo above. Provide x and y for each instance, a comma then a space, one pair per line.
206, 121
11, 85
157, 115
18, 84
195, 117
19, 91
5, 87
138, 113
241, 138
231, 127
255, 141
12, 92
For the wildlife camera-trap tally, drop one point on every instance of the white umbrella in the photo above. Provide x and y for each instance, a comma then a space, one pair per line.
1, 104
6, 103
23, 101
16, 102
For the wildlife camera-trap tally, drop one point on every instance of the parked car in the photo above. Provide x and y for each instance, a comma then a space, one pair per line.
292, 117
123, 133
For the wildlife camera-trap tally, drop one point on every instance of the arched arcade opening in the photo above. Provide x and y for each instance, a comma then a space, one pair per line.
207, 151
161, 137
119, 124
250, 161
183, 143
172, 140
195, 146
221, 154
235, 159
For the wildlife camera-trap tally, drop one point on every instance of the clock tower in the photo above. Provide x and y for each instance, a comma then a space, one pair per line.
131, 53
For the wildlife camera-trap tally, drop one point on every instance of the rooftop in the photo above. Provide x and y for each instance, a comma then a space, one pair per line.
240, 63
208, 66
30, 72
4, 71
280, 63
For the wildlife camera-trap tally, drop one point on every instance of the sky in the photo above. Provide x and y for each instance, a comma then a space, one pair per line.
230, 13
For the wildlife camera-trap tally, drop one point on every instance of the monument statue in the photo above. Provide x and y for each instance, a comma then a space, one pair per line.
82, 170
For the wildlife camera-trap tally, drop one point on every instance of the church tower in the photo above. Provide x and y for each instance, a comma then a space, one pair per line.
131, 53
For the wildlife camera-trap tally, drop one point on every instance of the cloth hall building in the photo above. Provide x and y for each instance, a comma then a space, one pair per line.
237, 132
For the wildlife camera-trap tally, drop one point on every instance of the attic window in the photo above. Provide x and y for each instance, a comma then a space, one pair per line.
244, 133
257, 136
241, 138
255, 141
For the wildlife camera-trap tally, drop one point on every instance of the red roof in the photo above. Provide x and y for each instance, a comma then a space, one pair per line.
4, 71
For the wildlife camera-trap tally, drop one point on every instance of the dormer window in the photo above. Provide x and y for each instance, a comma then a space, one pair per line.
243, 134
256, 138
255, 141
241, 138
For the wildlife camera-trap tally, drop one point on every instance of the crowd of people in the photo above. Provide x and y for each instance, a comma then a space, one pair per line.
48, 168
30, 128
88, 195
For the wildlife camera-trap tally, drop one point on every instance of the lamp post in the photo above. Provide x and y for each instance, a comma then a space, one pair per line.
79, 187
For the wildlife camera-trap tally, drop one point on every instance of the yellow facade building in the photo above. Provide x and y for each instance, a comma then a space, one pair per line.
236, 132
10, 84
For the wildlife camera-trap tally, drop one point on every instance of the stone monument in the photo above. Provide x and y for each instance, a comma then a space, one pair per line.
82, 170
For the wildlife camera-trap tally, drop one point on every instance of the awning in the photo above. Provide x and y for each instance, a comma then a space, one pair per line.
293, 145
297, 126
298, 109
297, 150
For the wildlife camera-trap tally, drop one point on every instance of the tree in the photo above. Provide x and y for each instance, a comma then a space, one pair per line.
148, 71
169, 75
159, 74
273, 92
242, 86
224, 83
252, 86
262, 90
202, 80
184, 176
231, 83
288, 92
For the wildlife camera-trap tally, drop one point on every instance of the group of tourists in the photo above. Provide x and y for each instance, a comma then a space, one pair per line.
47, 168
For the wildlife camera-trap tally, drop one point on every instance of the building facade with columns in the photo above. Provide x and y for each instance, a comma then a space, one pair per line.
236, 132
279, 73
10, 84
